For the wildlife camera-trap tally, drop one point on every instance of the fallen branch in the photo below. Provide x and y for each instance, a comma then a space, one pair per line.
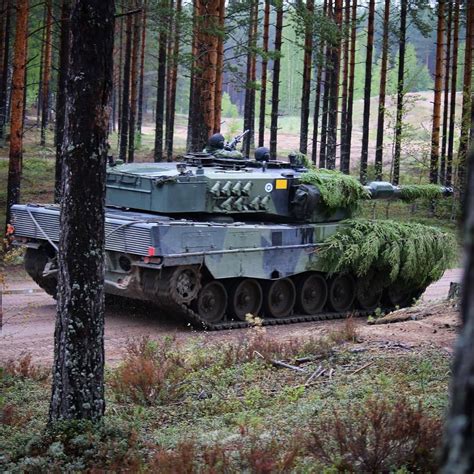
360, 369
279, 363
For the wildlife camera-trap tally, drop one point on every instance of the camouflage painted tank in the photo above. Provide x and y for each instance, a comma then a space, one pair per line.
216, 239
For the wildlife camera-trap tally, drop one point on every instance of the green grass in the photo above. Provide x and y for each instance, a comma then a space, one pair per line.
224, 399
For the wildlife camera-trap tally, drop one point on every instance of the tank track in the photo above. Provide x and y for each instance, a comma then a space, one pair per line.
167, 303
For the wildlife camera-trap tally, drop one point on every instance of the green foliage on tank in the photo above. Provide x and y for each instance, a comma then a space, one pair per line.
410, 253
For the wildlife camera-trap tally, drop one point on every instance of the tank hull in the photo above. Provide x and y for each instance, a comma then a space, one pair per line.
213, 274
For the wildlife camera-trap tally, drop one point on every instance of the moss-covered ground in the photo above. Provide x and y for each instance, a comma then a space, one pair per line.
198, 408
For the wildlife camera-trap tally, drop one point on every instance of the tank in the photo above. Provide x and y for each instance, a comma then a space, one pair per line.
217, 241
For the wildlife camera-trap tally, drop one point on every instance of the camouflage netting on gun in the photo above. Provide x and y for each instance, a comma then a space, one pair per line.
411, 253
338, 190
410, 192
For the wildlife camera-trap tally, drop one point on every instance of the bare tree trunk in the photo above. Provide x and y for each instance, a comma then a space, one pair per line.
249, 107
15, 164
134, 87
263, 82
142, 68
447, 66
4, 75
346, 147
334, 91
324, 121
173, 81
452, 108
345, 81
120, 79
61, 94
78, 373
400, 92
193, 103
276, 82
46, 72
306, 90
434, 162
39, 98
466, 102
124, 123
382, 91
161, 89
317, 99
220, 70
367, 93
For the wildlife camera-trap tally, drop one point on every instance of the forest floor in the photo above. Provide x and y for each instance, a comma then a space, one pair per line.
181, 401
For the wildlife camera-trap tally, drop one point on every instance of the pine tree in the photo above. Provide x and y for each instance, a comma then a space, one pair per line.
434, 162
382, 91
142, 67
367, 93
263, 81
400, 91
452, 107
306, 90
61, 94
125, 99
4, 69
276, 79
78, 371
48, 44
15, 164
346, 145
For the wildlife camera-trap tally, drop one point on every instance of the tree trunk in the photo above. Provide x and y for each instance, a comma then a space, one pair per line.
142, 68
4, 75
317, 100
15, 164
161, 89
61, 94
173, 81
193, 103
263, 82
220, 69
203, 116
39, 98
78, 373
452, 108
276, 82
334, 91
249, 108
458, 455
324, 121
442, 167
46, 72
124, 122
400, 92
382, 91
306, 89
346, 147
367, 93
120, 79
466, 102
134, 86
345, 80
434, 162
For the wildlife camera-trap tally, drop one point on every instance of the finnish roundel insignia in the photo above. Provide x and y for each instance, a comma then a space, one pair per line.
269, 187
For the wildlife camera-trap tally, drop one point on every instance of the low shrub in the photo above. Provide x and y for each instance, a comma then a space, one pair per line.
24, 368
150, 372
378, 436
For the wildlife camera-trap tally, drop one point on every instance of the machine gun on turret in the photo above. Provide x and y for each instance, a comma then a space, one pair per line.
235, 141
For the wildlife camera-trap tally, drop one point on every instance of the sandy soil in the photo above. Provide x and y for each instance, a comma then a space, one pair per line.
29, 313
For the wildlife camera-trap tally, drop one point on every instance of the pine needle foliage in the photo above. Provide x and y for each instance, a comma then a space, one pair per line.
410, 253
411, 192
338, 190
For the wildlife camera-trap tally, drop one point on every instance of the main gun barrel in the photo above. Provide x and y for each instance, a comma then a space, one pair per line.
386, 190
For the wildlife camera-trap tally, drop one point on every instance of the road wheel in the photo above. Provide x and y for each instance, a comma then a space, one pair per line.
398, 295
35, 263
341, 292
245, 297
368, 294
312, 293
184, 283
211, 302
279, 298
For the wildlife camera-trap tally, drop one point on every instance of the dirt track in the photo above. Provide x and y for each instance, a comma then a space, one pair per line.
28, 324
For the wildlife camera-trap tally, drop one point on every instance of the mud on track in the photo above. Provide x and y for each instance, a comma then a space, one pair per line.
29, 314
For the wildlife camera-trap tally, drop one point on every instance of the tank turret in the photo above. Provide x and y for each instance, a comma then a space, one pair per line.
206, 185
